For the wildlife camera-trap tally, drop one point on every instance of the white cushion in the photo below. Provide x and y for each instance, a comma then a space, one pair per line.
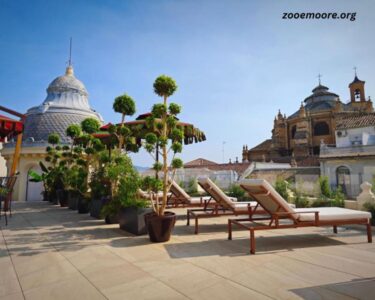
267, 196
332, 213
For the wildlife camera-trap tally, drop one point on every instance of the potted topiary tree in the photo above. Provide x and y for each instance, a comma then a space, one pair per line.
167, 136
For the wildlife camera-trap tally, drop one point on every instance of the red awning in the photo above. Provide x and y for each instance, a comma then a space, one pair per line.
9, 127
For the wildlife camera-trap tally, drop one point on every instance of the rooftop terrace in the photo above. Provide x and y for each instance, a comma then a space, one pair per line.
49, 252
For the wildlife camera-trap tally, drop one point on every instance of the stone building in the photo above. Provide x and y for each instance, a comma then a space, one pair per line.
297, 138
66, 103
352, 161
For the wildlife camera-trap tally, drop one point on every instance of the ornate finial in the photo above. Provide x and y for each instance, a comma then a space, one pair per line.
69, 68
319, 77
355, 71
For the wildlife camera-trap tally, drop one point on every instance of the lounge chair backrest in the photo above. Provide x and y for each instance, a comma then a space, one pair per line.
267, 196
178, 191
215, 192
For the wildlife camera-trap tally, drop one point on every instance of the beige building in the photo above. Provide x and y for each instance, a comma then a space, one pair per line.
298, 136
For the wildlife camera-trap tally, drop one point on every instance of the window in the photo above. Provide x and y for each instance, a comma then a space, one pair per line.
357, 94
293, 131
343, 179
321, 128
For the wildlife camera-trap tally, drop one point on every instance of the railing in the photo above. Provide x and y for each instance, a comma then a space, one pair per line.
355, 150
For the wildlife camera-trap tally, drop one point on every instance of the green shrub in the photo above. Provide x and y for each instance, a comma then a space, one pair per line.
192, 187
301, 201
325, 189
281, 186
236, 191
371, 208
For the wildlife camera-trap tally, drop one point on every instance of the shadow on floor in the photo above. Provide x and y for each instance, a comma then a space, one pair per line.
264, 245
357, 288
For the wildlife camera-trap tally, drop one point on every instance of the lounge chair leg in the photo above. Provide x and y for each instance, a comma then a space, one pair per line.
369, 234
188, 218
196, 225
252, 241
229, 229
334, 229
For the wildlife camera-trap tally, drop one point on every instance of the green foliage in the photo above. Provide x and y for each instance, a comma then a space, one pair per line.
338, 197
301, 201
236, 191
73, 131
151, 138
369, 206
174, 109
177, 147
158, 110
177, 135
157, 166
124, 105
90, 125
3, 191
325, 189
192, 187
151, 184
164, 86
281, 186
177, 163
53, 139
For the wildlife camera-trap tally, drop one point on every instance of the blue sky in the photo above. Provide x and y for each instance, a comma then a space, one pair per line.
236, 62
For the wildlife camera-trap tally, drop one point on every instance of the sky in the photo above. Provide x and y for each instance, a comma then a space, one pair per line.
236, 62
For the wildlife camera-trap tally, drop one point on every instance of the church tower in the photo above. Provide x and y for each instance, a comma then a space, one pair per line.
357, 95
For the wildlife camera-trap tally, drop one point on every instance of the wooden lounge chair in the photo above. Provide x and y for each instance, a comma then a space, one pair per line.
224, 205
180, 197
281, 215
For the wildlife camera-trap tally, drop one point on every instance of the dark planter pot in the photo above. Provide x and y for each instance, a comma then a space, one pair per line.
53, 198
132, 219
96, 207
114, 219
62, 197
46, 196
160, 227
73, 200
83, 206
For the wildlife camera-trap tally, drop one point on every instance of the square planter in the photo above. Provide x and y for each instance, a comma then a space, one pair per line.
73, 200
96, 207
131, 219
83, 205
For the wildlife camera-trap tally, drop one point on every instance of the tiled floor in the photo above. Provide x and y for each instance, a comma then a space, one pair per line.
48, 252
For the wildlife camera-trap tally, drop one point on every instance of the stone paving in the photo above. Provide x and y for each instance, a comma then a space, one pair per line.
49, 252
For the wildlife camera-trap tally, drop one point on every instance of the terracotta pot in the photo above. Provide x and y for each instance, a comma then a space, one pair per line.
160, 227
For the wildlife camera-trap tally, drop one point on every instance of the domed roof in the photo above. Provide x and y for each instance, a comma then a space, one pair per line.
66, 103
321, 99
66, 83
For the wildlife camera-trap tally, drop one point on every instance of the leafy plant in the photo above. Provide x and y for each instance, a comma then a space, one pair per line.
281, 186
164, 134
301, 201
325, 189
236, 191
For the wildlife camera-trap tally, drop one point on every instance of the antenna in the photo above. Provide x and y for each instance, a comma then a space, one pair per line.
320, 76
355, 71
70, 52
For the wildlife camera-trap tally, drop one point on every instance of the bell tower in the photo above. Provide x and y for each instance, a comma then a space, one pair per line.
357, 95
357, 89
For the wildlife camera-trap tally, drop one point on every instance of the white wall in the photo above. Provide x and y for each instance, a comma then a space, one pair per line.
360, 135
3, 168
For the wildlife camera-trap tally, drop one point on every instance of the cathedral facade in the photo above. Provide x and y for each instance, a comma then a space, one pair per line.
297, 138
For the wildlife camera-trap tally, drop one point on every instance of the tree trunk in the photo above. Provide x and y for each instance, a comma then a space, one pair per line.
165, 162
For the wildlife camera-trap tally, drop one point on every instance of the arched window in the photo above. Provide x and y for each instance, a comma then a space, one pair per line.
343, 178
357, 94
321, 128
293, 131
